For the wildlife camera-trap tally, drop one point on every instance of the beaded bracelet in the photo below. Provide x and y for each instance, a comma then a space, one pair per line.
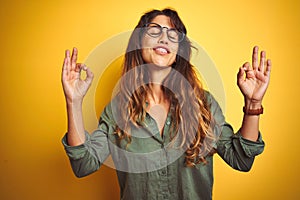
254, 111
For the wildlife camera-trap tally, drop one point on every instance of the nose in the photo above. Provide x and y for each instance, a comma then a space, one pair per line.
163, 38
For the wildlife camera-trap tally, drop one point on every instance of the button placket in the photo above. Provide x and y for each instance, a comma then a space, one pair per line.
164, 172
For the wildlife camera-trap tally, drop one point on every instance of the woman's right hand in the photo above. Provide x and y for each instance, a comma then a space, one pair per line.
74, 87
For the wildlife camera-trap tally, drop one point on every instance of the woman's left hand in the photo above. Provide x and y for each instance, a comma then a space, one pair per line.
254, 85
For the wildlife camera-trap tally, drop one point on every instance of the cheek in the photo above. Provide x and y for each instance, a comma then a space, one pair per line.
172, 59
174, 48
145, 55
174, 51
147, 42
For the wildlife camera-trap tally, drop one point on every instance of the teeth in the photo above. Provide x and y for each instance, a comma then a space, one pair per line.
162, 50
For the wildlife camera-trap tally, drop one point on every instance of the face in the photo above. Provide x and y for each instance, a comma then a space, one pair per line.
159, 50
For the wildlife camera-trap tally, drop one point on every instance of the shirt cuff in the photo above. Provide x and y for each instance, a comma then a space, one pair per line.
76, 152
251, 148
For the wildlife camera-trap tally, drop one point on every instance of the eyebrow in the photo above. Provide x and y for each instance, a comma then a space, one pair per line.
173, 27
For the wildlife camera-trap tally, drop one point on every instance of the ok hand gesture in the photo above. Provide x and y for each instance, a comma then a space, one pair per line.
254, 84
74, 87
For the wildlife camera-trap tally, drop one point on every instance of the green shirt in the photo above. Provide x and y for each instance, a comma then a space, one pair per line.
151, 167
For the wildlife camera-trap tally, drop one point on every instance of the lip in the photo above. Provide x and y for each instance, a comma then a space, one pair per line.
162, 47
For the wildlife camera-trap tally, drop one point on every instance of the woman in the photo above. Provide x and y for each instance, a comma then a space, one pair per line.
162, 128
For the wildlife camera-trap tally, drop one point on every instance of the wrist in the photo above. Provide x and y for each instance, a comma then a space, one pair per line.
252, 104
74, 103
253, 107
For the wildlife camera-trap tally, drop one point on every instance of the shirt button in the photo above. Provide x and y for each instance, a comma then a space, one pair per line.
163, 172
168, 122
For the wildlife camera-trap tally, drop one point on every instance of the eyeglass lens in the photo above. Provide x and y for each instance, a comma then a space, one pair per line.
155, 30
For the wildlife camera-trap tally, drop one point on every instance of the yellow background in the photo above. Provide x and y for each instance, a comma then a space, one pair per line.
34, 35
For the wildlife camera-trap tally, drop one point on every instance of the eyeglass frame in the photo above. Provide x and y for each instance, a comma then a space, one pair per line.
167, 31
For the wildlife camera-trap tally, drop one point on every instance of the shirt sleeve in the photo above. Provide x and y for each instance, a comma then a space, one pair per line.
89, 156
235, 150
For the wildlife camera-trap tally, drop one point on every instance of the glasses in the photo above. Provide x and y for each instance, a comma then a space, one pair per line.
155, 30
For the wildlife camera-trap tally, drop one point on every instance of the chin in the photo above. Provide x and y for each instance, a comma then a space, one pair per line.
162, 64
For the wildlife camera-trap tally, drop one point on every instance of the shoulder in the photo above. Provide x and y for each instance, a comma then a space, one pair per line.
209, 98
213, 105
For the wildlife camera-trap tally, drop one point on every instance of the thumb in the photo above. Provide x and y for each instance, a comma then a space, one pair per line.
240, 75
89, 75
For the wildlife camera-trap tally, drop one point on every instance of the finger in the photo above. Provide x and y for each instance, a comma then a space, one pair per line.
89, 75
68, 56
79, 67
268, 68
262, 61
74, 58
246, 66
67, 53
255, 57
248, 70
240, 75
66, 67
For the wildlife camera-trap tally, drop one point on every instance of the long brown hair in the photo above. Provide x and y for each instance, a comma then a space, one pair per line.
191, 117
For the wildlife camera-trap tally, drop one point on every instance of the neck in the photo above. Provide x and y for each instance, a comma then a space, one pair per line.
157, 95
158, 73
157, 76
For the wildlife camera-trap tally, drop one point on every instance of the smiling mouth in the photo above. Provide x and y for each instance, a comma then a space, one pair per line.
161, 50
